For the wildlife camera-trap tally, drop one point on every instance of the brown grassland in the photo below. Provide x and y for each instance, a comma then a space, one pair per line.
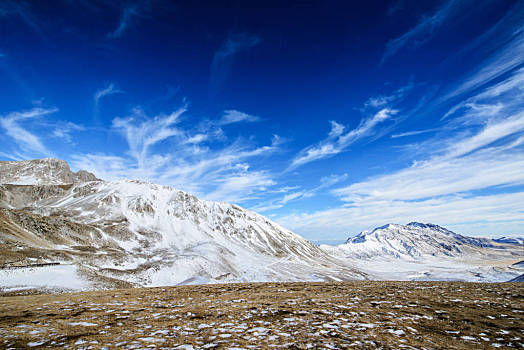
363, 314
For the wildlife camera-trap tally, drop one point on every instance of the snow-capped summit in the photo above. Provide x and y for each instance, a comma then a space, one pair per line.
411, 241
46, 171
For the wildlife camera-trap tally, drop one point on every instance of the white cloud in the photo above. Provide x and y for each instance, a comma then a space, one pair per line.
438, 177
142, 135
26, 140
328, 181
506, 59
422, 32
104, 166
63, 130
485, 153
233, 116
22, 10
494, 130
294, 193
187, 159
338, 140
198, 138
110, 89
222, 60
127, 15
414, 132
241, 186
383, 100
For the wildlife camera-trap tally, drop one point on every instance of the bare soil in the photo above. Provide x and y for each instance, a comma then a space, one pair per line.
363, 314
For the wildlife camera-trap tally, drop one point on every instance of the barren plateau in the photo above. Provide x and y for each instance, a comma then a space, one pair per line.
335, 315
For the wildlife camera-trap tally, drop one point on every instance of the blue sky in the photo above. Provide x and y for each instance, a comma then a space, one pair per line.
328, 117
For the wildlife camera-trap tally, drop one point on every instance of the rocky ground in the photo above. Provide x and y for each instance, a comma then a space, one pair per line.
363, 314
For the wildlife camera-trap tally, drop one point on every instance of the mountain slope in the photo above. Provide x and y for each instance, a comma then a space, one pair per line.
518, 279
136, 233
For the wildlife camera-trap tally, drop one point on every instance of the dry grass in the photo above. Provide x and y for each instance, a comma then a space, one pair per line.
431, 315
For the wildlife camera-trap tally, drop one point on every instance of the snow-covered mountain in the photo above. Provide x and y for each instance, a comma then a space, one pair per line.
411, 241
428, 251
124, 233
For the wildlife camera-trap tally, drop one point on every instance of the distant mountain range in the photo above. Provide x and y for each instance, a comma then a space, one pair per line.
60, 229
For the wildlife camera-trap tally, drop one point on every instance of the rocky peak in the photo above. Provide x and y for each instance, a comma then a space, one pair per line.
46, 171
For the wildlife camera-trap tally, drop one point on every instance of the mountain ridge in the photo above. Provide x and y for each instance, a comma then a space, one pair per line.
44, 171
135, 233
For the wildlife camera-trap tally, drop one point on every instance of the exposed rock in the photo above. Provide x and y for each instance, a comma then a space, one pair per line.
46, 171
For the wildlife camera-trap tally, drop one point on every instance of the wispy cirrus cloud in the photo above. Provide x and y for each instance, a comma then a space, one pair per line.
163, 149
470, 174
12, 124
141, 136
110, 89
485, 153
127, 15
64, 130
414, 132
499, 46
422, 32
21, 10
440, 177
505, 60
223, 57
386, 100
291, 194
234, 116
339, 139
241, 186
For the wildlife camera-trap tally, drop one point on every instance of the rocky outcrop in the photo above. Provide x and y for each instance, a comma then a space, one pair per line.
46, 171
